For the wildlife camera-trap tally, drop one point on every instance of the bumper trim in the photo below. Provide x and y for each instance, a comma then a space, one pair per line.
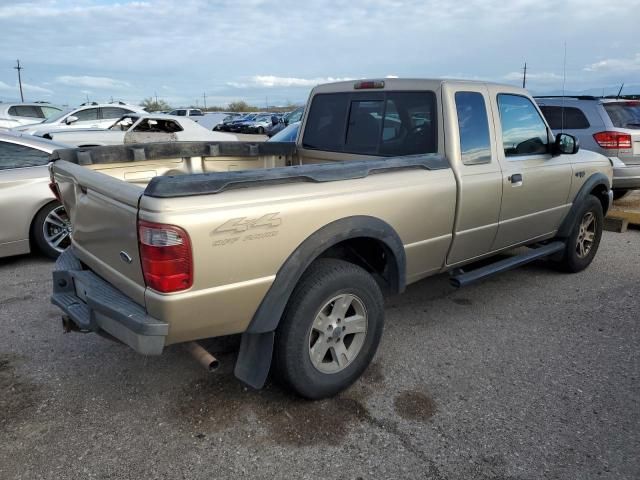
627, 177
95, 305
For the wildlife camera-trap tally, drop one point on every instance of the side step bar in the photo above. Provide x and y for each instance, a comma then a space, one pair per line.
462, 279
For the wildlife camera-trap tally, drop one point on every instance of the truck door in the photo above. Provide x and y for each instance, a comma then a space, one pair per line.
535, 184
471, 146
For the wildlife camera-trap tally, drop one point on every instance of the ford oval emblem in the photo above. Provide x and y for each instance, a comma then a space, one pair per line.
125, 257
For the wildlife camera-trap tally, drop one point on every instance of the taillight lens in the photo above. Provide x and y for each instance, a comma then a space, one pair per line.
613, 140
165, 253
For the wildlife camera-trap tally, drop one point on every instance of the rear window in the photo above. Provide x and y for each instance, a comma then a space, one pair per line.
30, 111
373, 123
624, 114
568, 118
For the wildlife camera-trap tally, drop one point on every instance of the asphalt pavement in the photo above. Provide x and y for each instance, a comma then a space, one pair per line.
530, 374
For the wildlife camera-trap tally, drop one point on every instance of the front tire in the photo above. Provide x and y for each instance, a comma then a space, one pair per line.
330, 329
584, 240
51, 230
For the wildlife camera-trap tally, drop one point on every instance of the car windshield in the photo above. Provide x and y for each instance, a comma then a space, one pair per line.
55, 118
288, 134
124, 123
624, 114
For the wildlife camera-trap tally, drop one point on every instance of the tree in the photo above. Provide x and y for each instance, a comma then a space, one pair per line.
151, 105
240, 106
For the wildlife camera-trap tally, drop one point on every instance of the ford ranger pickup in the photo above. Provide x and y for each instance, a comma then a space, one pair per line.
295, 245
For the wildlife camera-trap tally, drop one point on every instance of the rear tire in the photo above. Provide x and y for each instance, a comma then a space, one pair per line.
261, 130
330, 329
584, 240
51, 230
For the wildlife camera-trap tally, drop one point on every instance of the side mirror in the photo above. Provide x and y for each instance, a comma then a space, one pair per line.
70, 119
566, 144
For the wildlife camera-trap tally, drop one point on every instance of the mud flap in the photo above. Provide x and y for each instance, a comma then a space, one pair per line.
254, 360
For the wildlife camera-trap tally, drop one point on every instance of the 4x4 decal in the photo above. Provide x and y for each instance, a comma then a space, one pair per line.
242, 224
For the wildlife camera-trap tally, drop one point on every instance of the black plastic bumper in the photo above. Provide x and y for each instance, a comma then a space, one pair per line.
94, 305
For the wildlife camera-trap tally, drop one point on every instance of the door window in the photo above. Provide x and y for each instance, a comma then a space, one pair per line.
473, 125
19, 156
86, 115
523, 130
113, 112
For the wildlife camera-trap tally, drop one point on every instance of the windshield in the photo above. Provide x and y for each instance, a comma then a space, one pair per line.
55, 118
124, 123
287, 134
624, 114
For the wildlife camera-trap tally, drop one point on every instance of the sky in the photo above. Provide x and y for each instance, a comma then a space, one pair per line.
275, 51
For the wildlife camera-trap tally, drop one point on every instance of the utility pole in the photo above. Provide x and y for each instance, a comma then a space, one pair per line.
524, 76
156, 95
204, 98
18, 68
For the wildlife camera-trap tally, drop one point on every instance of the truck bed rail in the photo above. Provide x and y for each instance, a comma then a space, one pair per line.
217, 182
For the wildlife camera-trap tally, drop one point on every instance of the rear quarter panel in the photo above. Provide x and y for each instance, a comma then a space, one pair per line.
242, 237
23, 192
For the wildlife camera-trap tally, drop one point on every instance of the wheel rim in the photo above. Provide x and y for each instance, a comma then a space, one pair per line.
57, 229
338, 333
586, 234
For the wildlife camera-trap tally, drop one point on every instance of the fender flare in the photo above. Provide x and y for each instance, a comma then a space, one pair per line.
256, 348
592, 182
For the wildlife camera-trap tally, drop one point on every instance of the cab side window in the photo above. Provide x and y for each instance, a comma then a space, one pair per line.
19, 156
523, 130
473, 125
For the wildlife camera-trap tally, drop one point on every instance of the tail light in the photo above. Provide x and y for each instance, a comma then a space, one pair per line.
613, 140
165, 253
53, 186
368, 84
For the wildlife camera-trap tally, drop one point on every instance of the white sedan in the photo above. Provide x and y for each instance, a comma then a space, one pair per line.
141, 128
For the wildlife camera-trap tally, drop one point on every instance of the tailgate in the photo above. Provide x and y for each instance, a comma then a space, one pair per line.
103, 213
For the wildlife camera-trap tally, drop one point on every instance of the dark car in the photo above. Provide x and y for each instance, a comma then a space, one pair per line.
236, 125
287, 134
287, 118
223, 126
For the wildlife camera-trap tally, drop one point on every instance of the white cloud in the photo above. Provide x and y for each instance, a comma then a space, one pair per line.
92, 82
617, 65
541, 77
273, 81
26, 87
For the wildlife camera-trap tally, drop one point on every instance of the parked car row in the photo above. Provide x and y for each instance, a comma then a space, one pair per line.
88, 115
141, 128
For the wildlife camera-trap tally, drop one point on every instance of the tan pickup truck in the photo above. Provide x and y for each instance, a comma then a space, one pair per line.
294, 246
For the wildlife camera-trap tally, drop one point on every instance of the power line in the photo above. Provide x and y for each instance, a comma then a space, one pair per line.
18, 68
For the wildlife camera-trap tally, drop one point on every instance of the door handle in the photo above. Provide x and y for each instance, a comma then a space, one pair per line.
516, 179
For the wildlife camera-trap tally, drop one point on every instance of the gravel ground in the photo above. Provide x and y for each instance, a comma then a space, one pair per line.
531, 374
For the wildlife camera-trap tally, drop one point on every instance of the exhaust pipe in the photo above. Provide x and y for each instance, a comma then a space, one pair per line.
202, 356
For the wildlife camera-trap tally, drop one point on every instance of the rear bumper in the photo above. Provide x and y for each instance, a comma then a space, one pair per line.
94, 305
627, 177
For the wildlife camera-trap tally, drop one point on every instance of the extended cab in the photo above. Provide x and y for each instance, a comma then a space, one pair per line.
295, 245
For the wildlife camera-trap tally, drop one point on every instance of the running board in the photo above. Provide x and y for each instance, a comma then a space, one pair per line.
462, 279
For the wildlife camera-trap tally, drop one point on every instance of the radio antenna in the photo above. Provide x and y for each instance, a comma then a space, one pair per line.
620, 91
564, 80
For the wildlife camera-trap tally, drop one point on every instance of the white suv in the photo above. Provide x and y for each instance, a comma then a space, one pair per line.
88, 115
18, 114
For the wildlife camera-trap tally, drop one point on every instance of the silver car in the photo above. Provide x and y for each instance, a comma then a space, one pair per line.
30, 216
91, 115
610, 126
19, 114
